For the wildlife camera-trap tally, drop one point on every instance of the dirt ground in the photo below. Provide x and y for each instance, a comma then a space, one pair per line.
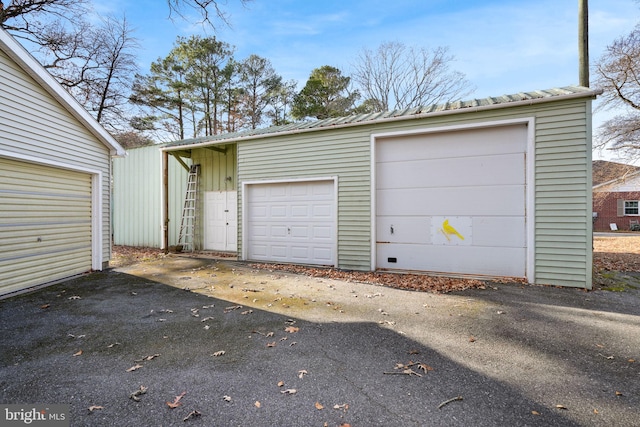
612, 255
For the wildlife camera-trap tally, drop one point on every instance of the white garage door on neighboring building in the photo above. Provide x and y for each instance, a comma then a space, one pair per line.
453, 202
291, 222
45, 224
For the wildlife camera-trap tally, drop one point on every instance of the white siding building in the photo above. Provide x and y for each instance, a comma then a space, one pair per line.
55, 174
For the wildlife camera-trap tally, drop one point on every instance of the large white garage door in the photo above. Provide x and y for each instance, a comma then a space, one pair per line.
45, 224
453, 202
292, 222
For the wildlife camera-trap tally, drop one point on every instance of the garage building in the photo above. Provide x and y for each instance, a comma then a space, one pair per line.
499, 186
55, 173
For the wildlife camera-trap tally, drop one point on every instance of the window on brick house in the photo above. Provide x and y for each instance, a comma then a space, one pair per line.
631, 207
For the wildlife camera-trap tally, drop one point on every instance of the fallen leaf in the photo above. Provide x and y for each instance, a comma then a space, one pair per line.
289, 391
78, 353
45, 306
142, 390
192, 414
291, 329
219, 353
413, 352
257, 404
344, 407
319, 406
147, 358
271, 344
95, 408
247, 312
226, 398
619, 393
345, 425
231, 308
631, 360
75, 297
424, 367
113, 345
535, 412
134, 368
472, 339
280, 383
176, 402
207, 318
269, 334
595, 411
561, 407
302, 373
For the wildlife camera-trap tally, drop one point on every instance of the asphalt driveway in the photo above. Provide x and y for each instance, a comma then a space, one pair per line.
235, 346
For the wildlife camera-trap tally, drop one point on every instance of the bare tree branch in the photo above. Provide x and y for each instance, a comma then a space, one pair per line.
208, 10
397, 77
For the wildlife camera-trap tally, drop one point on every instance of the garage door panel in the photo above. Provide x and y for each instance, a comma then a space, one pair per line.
499, 231
476, 142
323, 233
469, 201
407, 229
299, 232
301, 225
491, 261
482, 170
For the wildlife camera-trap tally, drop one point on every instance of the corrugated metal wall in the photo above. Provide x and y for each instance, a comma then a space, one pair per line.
563, 180
563, 194
217, 173
345, 153
137, 192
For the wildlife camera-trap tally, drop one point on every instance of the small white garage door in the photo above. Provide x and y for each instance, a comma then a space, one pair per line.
291, 222
453, 202
45, 224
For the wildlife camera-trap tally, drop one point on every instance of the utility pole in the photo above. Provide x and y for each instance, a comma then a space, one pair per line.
583, 42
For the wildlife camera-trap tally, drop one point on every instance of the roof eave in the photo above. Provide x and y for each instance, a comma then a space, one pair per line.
32, 67
616, 180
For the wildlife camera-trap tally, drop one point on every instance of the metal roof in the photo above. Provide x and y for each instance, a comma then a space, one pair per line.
479, 104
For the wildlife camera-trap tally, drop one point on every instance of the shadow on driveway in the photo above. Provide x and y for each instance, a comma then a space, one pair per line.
73, 343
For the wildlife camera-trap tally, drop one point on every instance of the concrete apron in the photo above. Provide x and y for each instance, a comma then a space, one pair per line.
561, 348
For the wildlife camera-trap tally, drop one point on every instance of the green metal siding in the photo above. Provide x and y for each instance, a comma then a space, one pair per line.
562, 183
563, 197
344, 153
217, 173
137, 193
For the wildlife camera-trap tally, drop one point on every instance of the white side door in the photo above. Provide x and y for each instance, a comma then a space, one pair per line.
221, 221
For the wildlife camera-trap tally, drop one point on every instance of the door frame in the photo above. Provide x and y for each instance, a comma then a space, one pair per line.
245, 209
529, 180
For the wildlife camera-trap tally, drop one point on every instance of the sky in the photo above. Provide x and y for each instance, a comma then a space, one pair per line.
502, 46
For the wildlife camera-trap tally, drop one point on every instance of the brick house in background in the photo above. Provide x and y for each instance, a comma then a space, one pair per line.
616, 196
